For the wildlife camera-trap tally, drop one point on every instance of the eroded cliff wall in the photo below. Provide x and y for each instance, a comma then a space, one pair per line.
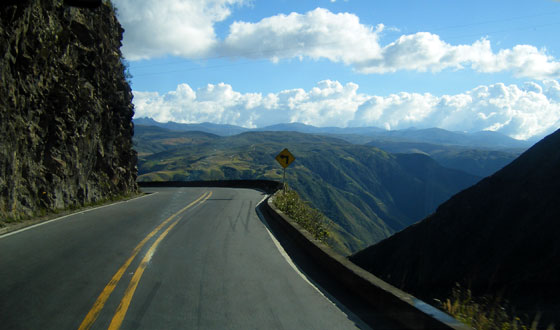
65, 108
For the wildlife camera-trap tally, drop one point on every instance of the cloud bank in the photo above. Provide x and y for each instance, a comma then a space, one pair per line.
186, 28
171, 27
518, 111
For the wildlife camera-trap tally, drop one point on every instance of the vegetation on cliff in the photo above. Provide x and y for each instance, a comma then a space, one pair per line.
302, 213
65, 108
486, 313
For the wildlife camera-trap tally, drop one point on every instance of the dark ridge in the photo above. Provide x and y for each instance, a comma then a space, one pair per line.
497, 238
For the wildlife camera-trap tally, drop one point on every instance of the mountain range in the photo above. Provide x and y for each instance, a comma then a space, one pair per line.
483, 139
480, 154
498, 238
368, 193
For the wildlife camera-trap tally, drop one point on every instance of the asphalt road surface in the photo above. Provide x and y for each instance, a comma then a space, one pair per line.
178, 258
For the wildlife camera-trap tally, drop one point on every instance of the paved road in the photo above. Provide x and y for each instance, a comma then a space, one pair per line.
179, 258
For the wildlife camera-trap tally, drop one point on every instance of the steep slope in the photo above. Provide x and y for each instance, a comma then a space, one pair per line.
65, 108
499, 237
368, 193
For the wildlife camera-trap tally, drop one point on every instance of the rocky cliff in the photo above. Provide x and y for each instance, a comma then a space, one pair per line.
65, 108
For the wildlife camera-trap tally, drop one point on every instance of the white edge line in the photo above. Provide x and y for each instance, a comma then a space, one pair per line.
71, 214
285, 254
351, 316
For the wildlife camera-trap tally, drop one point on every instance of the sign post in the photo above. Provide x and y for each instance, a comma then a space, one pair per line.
285, 158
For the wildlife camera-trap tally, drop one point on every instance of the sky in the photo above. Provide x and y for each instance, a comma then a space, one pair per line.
459, 65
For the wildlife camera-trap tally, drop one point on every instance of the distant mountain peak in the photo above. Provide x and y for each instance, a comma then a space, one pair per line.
434, 135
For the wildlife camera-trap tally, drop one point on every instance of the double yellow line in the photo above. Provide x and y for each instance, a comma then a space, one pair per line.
125, 302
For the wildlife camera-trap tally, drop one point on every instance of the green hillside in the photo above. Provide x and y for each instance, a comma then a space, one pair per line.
368, 194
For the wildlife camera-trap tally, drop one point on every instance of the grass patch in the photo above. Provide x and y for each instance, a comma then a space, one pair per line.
301, 212
485, 313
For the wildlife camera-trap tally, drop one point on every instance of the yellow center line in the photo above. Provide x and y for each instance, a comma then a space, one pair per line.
118, 318
104, 296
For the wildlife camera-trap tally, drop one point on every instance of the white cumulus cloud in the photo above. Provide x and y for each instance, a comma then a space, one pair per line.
518, 111
316, 34
186, 28
342, 38
425, 51
171, 27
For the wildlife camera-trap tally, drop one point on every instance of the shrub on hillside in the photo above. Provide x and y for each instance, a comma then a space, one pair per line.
484, 313
301, 212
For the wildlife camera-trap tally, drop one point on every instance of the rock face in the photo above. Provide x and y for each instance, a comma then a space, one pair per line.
65, 108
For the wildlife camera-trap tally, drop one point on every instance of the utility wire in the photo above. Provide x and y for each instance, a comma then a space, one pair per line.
495, 21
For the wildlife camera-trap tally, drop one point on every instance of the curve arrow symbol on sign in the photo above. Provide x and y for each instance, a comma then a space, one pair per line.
285, 158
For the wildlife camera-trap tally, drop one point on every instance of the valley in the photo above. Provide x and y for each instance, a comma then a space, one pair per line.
366, 193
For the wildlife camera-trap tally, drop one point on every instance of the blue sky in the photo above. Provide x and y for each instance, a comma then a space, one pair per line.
458, 65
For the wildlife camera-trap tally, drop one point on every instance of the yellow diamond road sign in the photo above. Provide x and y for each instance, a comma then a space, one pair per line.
285, 158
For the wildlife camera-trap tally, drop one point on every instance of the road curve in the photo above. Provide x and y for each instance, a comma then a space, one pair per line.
179, 258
